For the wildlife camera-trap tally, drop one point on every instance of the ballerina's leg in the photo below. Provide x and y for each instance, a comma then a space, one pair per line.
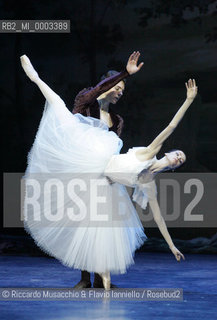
106, 279
48, 93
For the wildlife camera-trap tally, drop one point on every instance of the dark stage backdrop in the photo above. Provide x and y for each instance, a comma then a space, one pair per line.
177, 41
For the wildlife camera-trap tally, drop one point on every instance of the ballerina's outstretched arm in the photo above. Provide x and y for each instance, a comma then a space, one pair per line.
48, 93
163, 228
155, 146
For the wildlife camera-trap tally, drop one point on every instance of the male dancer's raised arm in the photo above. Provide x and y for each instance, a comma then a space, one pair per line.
88, 96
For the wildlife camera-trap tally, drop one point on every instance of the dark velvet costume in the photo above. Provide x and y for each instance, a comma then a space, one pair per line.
86, 104
86, 101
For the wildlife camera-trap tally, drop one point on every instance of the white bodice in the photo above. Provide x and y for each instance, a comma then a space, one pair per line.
125, 168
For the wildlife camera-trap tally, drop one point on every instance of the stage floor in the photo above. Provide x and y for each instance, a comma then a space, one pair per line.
197, 276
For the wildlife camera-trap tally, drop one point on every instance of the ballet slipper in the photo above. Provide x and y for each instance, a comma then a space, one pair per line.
106, 279
28, 68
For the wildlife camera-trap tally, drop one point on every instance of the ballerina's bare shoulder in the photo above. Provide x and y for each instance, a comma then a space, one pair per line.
143, 154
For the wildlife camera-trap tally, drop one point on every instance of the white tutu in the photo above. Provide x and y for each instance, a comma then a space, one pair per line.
71, 147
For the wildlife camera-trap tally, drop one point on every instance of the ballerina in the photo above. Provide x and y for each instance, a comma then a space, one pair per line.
73, 143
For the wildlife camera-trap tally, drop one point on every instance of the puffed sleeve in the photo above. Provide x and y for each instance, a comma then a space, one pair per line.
87, 96
143, 192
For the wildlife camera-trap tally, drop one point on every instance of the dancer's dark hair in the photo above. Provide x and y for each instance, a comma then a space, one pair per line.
111, 73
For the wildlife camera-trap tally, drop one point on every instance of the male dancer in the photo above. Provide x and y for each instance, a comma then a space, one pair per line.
94, 102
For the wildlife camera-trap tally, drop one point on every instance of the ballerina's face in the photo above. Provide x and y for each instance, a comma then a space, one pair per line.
115, 93
176, 158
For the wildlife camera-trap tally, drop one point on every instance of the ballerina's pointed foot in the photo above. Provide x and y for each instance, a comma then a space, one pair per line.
28, 68
106, 279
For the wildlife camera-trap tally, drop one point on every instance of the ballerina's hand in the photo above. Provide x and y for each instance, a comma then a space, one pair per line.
132, 63
28, 68
178, 255
191, 89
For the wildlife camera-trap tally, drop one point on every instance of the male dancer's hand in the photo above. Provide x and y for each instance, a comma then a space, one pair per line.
109, 180
191, 89
132, 63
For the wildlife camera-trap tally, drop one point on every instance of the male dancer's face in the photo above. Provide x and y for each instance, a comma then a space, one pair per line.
115, 93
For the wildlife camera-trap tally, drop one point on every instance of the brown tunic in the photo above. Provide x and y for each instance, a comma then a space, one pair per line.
86, 101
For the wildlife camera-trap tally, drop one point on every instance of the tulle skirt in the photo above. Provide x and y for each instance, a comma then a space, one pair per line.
71, 209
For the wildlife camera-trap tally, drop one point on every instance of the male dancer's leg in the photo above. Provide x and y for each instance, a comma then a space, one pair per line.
84, 282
